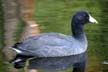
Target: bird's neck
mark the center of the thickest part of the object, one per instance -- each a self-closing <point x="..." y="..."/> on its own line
<point x="78" y="31"/>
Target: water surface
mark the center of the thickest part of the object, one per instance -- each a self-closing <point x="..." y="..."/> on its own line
<point x="55" y="16"/>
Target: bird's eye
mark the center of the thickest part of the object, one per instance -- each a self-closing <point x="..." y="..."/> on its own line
<point x="85" y="15"/>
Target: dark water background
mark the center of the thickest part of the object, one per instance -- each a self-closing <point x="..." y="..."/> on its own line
<point x="55" y="16"/>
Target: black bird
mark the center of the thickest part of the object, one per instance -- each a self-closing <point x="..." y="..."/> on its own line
<point x="56" y="51"/>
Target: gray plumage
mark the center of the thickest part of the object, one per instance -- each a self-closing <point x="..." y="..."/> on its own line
<point x="52" y="45"/>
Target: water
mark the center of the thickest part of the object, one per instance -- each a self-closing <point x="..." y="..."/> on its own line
<point x="55" y="16"/>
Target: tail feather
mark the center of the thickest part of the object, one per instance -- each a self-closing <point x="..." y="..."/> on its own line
<point x="16" y="45"/>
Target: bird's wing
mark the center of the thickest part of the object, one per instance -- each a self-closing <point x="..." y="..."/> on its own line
<point x="47" y="44"/>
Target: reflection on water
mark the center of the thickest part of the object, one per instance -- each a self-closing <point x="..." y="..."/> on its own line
<point x="54" y="16"/>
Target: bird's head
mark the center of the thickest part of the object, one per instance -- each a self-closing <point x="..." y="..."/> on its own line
<point x="83" y="17"/>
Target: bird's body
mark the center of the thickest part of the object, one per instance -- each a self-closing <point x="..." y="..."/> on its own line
<point x="52" y="45"/>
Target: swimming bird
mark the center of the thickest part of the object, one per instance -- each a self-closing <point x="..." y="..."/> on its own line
<point x="56" y="45"/>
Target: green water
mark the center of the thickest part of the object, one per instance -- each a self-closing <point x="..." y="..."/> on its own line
<point x="55" y="16"/>
<point x="1" y="36"/>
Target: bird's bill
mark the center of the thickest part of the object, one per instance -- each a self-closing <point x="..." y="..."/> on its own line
<point x="92" y="20"/>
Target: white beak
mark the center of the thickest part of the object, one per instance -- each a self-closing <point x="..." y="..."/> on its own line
<point x="92" y="20"/>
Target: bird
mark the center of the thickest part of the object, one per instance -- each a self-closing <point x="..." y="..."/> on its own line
<point x="57" y="51"/>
